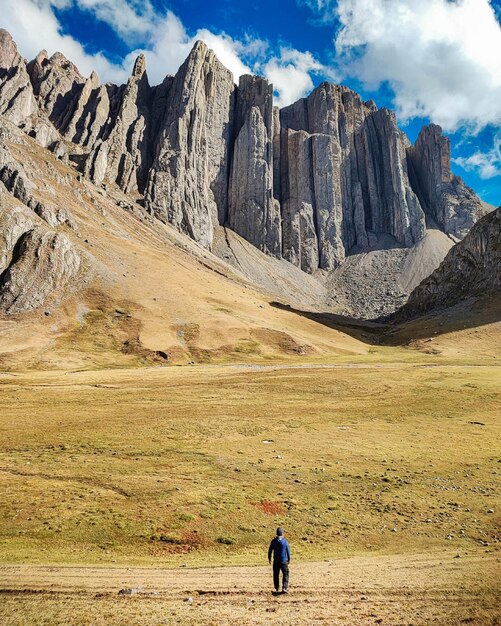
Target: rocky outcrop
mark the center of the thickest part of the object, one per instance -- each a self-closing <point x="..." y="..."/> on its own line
<point x="17" y="182"/>
<point x="471" y="268"/>
<point x="35" y="261"/>
<point x="17" y="101"/>
<point x="444" y="197"/>
<point x="122" y="157"/>
<point x="41" y="263"/>
<point x="15" y="222"/>
<point x="188" y="181"/>
<point x="314" y="182"/>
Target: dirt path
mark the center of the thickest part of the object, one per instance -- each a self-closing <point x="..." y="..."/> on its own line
<point x="394" y="590"/>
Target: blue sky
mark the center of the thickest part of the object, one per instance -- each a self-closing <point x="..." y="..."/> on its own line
<point x="429" y="60"/>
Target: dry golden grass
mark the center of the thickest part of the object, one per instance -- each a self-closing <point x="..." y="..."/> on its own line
<point x="158" y="465"/>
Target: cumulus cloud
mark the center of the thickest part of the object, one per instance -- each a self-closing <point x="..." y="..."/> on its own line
<point x="162" y="38"/>
<point x="486" y="164"/>
<point x="440" y="57"/>
<point x="290" y="74"/>
<point x="129" y="18"/>
<point x="34" y="26"/>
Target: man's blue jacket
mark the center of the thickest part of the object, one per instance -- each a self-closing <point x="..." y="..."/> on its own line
<point x="279" y="547"/>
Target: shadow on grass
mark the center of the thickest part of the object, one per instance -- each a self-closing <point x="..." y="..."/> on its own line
<point x="364" y="330"/>
<point x="472" y="313"/>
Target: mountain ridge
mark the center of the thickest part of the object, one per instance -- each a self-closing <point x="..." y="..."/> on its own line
<point x="307" y="182"/>
<point x="328" y="186"/>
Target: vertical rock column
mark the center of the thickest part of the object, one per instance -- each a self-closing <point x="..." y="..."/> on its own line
<point x="326" y="167"/>
<point x="322" y="174"/>
<point x="253" y="212"/>
<point x="187" y="183"/>
<point x="337" y="114"/>
<point x="299" y="237"/>
<point x="393" y="206"/>
<point x="444" y="197"/>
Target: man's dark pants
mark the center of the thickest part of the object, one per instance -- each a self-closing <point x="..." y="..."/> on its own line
<point x="284" y="568"/>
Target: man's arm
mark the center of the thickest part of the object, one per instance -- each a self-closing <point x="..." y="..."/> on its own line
<point x="270" y="551"/>
<point x="288" y="553"/>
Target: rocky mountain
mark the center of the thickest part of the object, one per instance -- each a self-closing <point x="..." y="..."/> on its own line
<point x="471" y="269"/>
<point x="326" y="180"/>
<point x="444" y="197"/>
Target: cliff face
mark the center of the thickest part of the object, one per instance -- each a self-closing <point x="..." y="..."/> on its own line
<point x="344" y="178"/>
<point x="253" y="212"/>
<point x="471" y="268"/>
<point x="188" y="181"/>
<point x="309" y="183"/>
<point x="444" y="197"/>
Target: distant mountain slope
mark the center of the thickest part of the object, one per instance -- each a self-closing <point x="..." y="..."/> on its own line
<point x="349" y="216"/>
<point x="102" y="284"/>
<point x="472" y="268"/>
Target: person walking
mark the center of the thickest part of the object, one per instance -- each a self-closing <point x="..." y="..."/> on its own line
<point x="279" y="548"/>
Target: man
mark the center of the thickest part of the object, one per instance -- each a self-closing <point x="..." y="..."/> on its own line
<point x="279" y="547"/>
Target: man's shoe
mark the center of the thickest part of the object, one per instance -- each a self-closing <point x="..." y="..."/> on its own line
<point x="285" y="591"/>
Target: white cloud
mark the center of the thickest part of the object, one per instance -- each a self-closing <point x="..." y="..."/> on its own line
<point x="325" y="9"/>
<point x="290" y="74"/>
<point x="34" y="26"/>
<point x="486" y="164"/>
<point x="129" y="18"/>
<point x="441" y="58"/>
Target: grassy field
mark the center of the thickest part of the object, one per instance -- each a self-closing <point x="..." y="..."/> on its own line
<point x="198" y="464"/>
<point x="387" y="465"/>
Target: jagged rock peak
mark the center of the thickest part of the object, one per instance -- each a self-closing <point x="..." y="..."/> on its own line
<point x="444" y="197"/>
<point x="188" y="181"/>
<point x="9" y="54"/>
<point x="139" y="66"/>
<point x="17" y="102"/>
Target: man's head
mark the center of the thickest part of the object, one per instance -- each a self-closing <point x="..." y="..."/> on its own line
<point x="280" y="532"/>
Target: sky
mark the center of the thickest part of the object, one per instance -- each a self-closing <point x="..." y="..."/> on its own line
<point x="429" y="60"/>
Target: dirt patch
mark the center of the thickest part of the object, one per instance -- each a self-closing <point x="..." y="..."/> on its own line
<point x="205" y="355"/>
<point x="187" y="333"/>
<point x="359" y="591"/>
<point x="270" y="507"/>
<point x="281" y="340"/>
